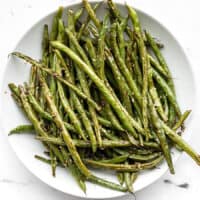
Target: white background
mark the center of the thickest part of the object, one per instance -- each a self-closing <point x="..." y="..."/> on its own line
<point x="181" y="17"/>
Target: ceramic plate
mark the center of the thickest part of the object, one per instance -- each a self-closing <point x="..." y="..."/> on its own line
<point x="25" y="146"/>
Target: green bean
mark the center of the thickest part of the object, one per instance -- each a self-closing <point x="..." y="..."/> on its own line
<point x="145" y="65"/>
<point x="53" y="163"/>
<point x="115" y="14"/>
<point x="171" y="115"/>
<point x="132" y="139"/>
<point x="126" y="119"/>
<point x="143" y="151"/>
<point x="96" y="126"/>
<point x="61" y="31"/>
<point x="45" y="114"/>
<point x="107" y="184"/>
<point x="64" y="131"/>
<point x="89" y="47"/>
<point x="63" y="64"/>
<point x="73" y="118"/>
<point x="120" y="177"/>
<point x="54" y="29"/>
<point x="133" y="177"/>
<point x="88" y="125"/>
<point x="127" y="180"/>
<point x="165" y="106"/>
<point x="105" y="143"/>
<point x="37" y="107"/>
<point x="101" y="48"/>
<point x="68" y="75"/>
<point x="47" y="161"/>
<point x="14" y="89"/>
<point x="124" y="23"/>
<point x="114" y="121"/>
<point x="85" y="88"/>
<point x="136" y="151"/>
<point x="53" y="58"/>
<point x="128" y="60"/>
<point x="74" y="170"/>
<point x="22" y="129"/>
<point x="91" y="13"/>
<point x="105" y="122"/>
<point x="161" y="60"/>
<point x="121" y="43"/>
<point x="118" y="159"/>
<point x="154" y="96"/>
<point x="84" y="25"/>
<point x="122" y="65"/>
<point x="113" y="9"/>
<point x="15" y="93"/>
<point x="35" y="122"/>
<point x="17" y="99"/>
<point x="123" y="88"/>
<point x="75" y="43"/>
<point x="36" y="83"/>
<point x="181" y="143"/>
<point x="180" y="122"/>
<point x="93" y="30"/>
<point x="167" y="90"/>
<point x="157" y="66"/>
<point x="45" y="60"/>
<point x="108" y="134"/>
<point x="149" y="157"/>
<point x="125" y="168"/>
<point x="141" y="140"/>
<point x="78" y="14"/>
<point x="137" y="70"/>
<point x="117" y="74"/>
<point x="161" y="136"/>
<point x="32" y="79"/>
<point x="157" y="41"/>
<point x="52" y="82"/>
<point x="76" y="173"/>
<point x="45" y="45"/>
<point x="99" y="98"/>
<point x="69" y="84"/>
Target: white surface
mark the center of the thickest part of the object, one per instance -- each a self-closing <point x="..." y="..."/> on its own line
<point x="26" y="147"/>
<point x="17" y="16"/>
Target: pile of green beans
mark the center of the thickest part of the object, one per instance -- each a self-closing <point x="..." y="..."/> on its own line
<point x="102" y="96"/>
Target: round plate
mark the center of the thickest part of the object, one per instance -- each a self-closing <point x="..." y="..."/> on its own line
<point x="25" y="146"/>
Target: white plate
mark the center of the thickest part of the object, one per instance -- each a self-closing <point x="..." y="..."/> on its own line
<point x="26" y="147"/>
